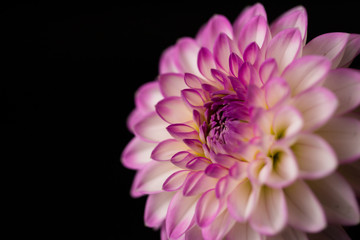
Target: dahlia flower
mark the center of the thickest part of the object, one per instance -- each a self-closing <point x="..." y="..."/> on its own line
<point x="250" y="133"/>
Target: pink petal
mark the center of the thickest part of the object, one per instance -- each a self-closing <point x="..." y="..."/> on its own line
<point x="270" y="214"/>
<point x="198" y="163"/>
<point x="222" y="49"/>
<point x="166" y="149"/>
<point x="337" y="199"/>
<point x="219" y="227"/>
<point x="137" y="153"/>
<point x="287" y="122"/>
<point x="243" y="231"/>
<point x="345" y="84"/>
<point x="256" y="30"/>
<point x="330" y="45"/>
<point x="343" y="134"/>
<point x="207" y="208"/>
<point x="316" y="105"/>
<point x="332" y="232"/>
<point x="151" y="178"/>
<point x="197" y="183"/>
<point x="171" y="84"/>
<point x="169" y="61"/>
<point x="305" y="72"/>
<point x="152" y="128"/>
<point x="304" y="210"/>
<point x="252" y="54"/>
<point x="173" y="110"/>
<point x="285" y="47"/>
<point x="238" y="201"/>
<point x="182" y="131"/>
<point x="314" y="156"/>
<point x="181" y="159"/>
<point x="147" y="96"/>
<point x="193" y="233"/>
<point x="206" y="62"/>
<point x="352" y="49"/>
<point x="225" y="186"/>
<point x="289" y="233"/>
<point x="193" y="98"/>
<point x="268" y="69"/>
<point x="192" y="81"/>
<point x="276" y="91"/>
<point x="134" y="118"/>
<point x="180" y="215"/>
<point x="175" y="181"/>
<point x="216" y="171"/>
<point x="156" y="208"/>
<point x="235" y="63"/>
<point x="188" y="50"/>
<point x="246" y="15"/>
<point x="294" y="18"/>
<point x="195" y="145"/>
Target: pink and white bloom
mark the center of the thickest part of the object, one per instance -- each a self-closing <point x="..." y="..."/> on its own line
<point x="250" y="133"/>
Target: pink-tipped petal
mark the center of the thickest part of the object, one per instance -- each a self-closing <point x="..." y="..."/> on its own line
<point x="294" y="18"/>
<point x="147" y="96"/>
<point x="137" y="153"/>
<point x="252" y="54"/>
<point x="343" y="134"/>
<point x="270" y="214"/>
<point x="243" y="231"/>
<point x="222" y="49"/>
<point x="276" y="91"/>
<point x="345" y="84"/>
<point x="235" y="63"/>
<point x="337" y="199"/>
<point x="238" y="201"/>
<point x="198" y="163"/>
<point x="173" y="110"/>
<point x="316" y="105"/>
<point x="188" y="50"/>
<point x="306" y="72"/>
<point x="306" y="215"/>
<point x="182" y="131"/>
<point x="192" y="81"/>
<point x="256" y="30"/>
<point x="216" y="171"/>
<point x="193" y="98"/>
<point x="166" y="149"/>
<point x="175" y="181"/>
<point x="330" y="45"/>
<point x="207" y="208"/>
<point x="219" y="227"/>
<point x="180" y="215"/>
<point x="181" y="159"/>
<point x="206" y="62"/>
<point x="268" y="70"/>
<point x="352" y="49"/>
<point x="285" y="47"/>
<point x="332" y="232"/>
<point x="197" y="183"/>
<point x="169" y="61"/>
<point x="156" y="208"/>
<point x="287" y="122"/>
<point x="171" y="84"/>
<point x="152" y="128"/>
<point x="314" y="156"/>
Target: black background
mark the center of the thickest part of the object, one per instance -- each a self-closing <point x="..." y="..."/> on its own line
<point x="75" y="67"/>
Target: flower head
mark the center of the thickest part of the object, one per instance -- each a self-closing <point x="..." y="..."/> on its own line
<point x="249" y="132"/>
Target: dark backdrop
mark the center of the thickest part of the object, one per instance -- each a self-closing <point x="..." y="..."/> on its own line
<point x="96" y="56"/>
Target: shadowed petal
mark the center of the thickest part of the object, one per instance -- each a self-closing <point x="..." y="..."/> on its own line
<point x="137" y="153"/>
<point x="171" y="84"/>
<point x="219" y="227"/>
<point x="238" y="201"/>
<point x="147" y="96"/>
<point x="207" y="208"/>
<point x="173" y="110"/>
<point x="352" y="49"/>
<point x="156" y="208"/>
<point x="332" y="232"/>
<point x="289" y="234"/>
<point x="152" y="128"/>
<point x="243" y="231"/>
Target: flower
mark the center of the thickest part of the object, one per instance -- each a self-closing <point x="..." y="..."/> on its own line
<point x="249" y="132"/>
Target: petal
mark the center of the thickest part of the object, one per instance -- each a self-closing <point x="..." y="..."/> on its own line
<point x="175" y="181"/>
<point x="276" y="91"/>
<point x="314" y="156"/>
<point x="182" y="131"/>
<point x="243" y="231"/>
<point x="206" y="62"/>
<point x="305" y="72"/>
<point x="289" y="233"/>
<point x="238" y="201"/>
<point x="351" y="172"/>
<point x="235" y="63"/>
<point x="219" y="227"/>
<point x="268" y="70"/>
<point x="316" y="105"/>
<point x="332" y="232"/>
<point x="345" y="84"/>
<point x="256" y="30"/>
<point x="152" y="128"/>
<point x="147" y="96"/>
<point x="151" y="178"/>
<point x="216" y="171"/>
<point x="180" y="215"/>
<point x="156" y="208"/>
<point x="169" y="61"/>
<point x="343" y="134"/>
<point x="181" y="159"/>
<point x="197" y="183"/>
<point x="304" y="210"/>
<point x="294" y="18"/>
<point x="173" y="110"/>
<point x="188" y="50"/>
<point x="198" y="163"/>
<point x="207" y="208"/>
<point x="166" y="149"/>
<point x="337" y="199"/>
<point x="330" y="45"/>
<point x="171" y="84"/>
<point x="285" y="47"/>
<point x="270" y="214"/>
<point x="287" y="122"/>
<point x="193" y="98"/>
<point x="352" y="49"/>
<point x="137" y="153"/>
<point x="192" y="81"/>
<point x="222" y="49"/>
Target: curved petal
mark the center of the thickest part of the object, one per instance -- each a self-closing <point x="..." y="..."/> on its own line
<point x="166" y="149"/>
<point x="352" y="49"/>
<point x="243" y="231"/>
<point x="171" y="84"/>
<point x="314" y="156"/>
<point x="219" y="227"/>
<point x="285" y="47"/>
<point x="173" y="110"/>
<point x="222" y="49"/>
<point x="276" y="91"/>
<point x="316" y="105"/>
<point x="330" y="45"/>
<point x="198" y="183"/>
<point x="188" y="50"/>
<point x="268" y="69"/>
<point x="337" y="199"/>
<point x="156" y="208"/>
<point x="182" y="131"/>
<point x="193" y="98"/>
<point x="343" y="134"/>
<point x="152" y="128"/>
<point x="345" y="84"/>
<point x="207" y="208"/>
<point x="304" y="210"/>
<point x="169" y="61"/>
<point x="287" y="122"/>
<point x="238" y="201"/>
<point x="289" y="234"/>
<point x="305" y="72"/>
<point x="270" y="214"/>
<point x="206" y="62"/>
<point x="137" y="153"/>
<point x="147" y="96"/>
<point x="175" y="181"/>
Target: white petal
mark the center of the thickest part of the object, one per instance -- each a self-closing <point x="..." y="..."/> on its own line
<point x="137" y="153"/>
<point x="152" y="128"/>
<point x="238" y="200"/>
<point x="156" y="208"/>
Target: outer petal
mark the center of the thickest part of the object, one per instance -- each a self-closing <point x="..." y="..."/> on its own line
<point x="345" y="84"/>
<point x="352" y="49"/>
<point x="207" y="208"/>
<point x="337" y="199"/>
<point x="332" y="232"/>
<point x="238" y="201"/>
<point x="169" y="61"/>
<point x="285" y="47"/>
<point x="343" y="134"/>
<point x="330" y="45"/>
<point x="152" y="128"/>
<point x="305" y="212"/>
<point x="180" y="215"/>
<point x="147" y="96"/>
<point x="243" y="231"/>
<point x="171" y="84"/>
<point x="173" y="110"/>
<point x="316" y="105"/>
<point x="188" y="50"/>
<point x="222" y="49"/>
<point x="137" y="153"/>
<point x="270" y="214"/>
<point x="305" y="72"/>
<point x="156" y="208"/>
<point x="314" y="156"/>
<point x="206" y="62"/>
